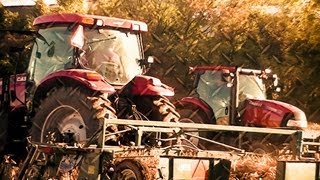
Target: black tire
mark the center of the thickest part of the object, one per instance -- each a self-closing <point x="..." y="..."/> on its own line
<point x="193" y="116"/>
<point x="157" y="108"/>
<point x="129" y="170"/>
<point x="164" y="110"/>
<point x="69" y="110"/>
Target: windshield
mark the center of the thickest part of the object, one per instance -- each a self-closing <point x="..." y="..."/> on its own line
<point x="214" y="92"/>
<point x="50" y="53"/>
<point x="112" y="53"/>
<point x="251" y="87"/>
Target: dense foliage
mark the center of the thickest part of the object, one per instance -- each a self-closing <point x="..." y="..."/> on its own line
<point x="280" y="34"/>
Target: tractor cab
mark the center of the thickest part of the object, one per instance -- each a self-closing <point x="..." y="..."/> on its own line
<point x="225" y="89"/>
<point x="212" y="89"/>
<point x="88" y="58"/>
<point x="238" y="96"/>
<point x="110" y="46"/>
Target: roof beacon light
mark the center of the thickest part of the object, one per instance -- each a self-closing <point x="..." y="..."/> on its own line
<point x="99" y="22"/>
<point x="135" y="27"/>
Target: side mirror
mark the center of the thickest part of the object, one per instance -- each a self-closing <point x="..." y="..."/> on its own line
<point x="275" y="80"/>
<point x="276" y="83"/>
<point x="150" y="60"/>
<point x="51" y="49"/>
<point x="38" y="55"/>
<point x="146" y="63"/>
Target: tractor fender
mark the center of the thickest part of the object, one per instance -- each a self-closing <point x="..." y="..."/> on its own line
<point x="90" y="79"/>
<point x="147" y="86"/>
<point x="274" y="114"/>
<point x="197" y="104"/>
<point x="73" y="77"/>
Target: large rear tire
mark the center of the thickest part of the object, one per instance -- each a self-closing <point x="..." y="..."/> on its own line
<point x="193" y="116"/>
<point x="69" y="115"/>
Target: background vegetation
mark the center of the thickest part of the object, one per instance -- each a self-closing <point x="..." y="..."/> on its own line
<point x="279" y="34"/>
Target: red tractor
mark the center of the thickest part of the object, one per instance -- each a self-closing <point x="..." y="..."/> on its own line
<point x="82" y="68"/>
<point x="236" y="96"/>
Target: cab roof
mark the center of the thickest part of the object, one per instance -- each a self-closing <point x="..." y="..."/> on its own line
<point x="216" y="68"/>
<point x="91" y="20"/>
<point x="229" y="68"/>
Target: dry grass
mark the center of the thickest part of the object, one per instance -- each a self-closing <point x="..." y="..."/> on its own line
<point x="313" y="126"/>
<point x="253" y="167"/>
<point x="259" y="167"/>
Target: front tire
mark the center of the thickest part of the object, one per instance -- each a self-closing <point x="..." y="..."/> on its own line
<point x="131" y="170"/>
<point x="153" y="108"/>
<point x="157" y="108"/>
<point x="69" y="115"/>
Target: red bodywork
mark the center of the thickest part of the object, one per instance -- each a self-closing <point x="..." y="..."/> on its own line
<point x="149" y="86"/>
<point x="91" y="20"/>
<point x="139" y="85"/>
<point x="218" y="68"/>
<point x="88" y="78"/>
<point x="91" y="79"/>
<point x="17" y="86"/>
<point x="253" y="112"/>
<point x="197" y="104"/>
<point x="269" y="113"/>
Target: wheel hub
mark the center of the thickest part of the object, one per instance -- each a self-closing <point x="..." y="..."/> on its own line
<point x="66" y="122"/>
<point x="72" y="128"/>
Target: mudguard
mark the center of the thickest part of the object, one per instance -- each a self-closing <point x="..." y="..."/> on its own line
<point x="147" y="86"/>
<point x="270" y="113"/>
<point x="195" y="104"/>
<point x="78" y="77"/>
<point x="90" y="79"/>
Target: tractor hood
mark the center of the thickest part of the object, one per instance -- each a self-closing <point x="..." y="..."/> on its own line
<point x="271" y="113"/>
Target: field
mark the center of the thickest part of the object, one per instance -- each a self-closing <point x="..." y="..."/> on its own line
<point x="258" y="167"/>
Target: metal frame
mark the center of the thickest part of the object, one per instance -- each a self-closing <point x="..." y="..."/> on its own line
<point x="304" y="142"/>
<point x="300" y="138"/>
